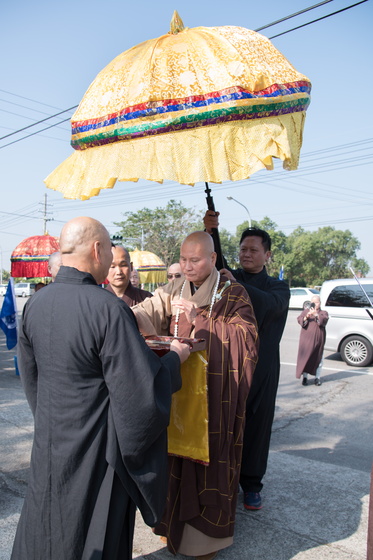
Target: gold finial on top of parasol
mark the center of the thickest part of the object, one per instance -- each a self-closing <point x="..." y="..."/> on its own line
<point x="176" y="24"/>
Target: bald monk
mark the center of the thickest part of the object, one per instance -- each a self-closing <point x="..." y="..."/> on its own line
<point x="200" y="513"/>
<point x="119" y="278"/>
<point x="54" y="263"/>
<point x="101" y="410"/>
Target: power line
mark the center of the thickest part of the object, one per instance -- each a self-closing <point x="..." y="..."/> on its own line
<point x="28" y="99"/>
<point x="22" y="106"/>
<point x="292" y="15"/>
<point x="340" y="221"/>
<point x="39" y="122"/>
<point x="260" y="28"/>
<point x="25" y="117"/>
<point x="318" y="19"/>
<point x="33" y="133"/>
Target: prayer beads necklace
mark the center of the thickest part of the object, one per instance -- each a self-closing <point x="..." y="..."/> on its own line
<point x="177" y="316"/>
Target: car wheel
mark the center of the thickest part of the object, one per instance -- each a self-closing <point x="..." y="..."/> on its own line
<point x="23" y="294"/>
<point x="306" y="304"/>
<point x="357" y="351"/>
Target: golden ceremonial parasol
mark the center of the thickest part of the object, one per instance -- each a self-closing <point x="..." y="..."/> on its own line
<point x="30" y="258"/>
<point x="207" y="104"/>
<point x="151" y="269"/>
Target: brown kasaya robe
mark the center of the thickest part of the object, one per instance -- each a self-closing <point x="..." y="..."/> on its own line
<point x="132" y="295"/>
<point x="205" y="497"/>
<point x="311" y="342"/>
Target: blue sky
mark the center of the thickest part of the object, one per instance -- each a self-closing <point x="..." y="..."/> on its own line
<point x="52" y="51"/>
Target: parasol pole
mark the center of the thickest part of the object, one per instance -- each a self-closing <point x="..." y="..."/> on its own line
<point x="364" y="292"/>
<point x="215" y="231"/>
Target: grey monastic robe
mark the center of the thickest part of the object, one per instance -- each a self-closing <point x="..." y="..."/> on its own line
<point x="101" y="402"/>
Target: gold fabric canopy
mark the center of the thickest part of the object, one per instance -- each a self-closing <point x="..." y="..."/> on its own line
<point x="207" y="104"/>
<point x="150" y="267"/>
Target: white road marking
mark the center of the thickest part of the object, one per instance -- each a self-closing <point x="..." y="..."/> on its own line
<point x="357" y="370"/>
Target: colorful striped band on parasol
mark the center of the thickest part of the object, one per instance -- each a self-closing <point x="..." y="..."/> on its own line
<point x="150" y="267"/>
<point x="207" y="104"/>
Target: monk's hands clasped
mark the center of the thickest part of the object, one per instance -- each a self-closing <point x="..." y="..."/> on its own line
<point x="187" y="307"/>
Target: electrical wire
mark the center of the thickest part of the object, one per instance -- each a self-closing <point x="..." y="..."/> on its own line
<point x="29" y="99"/>
<point x="33" y="133"/>
<point x="318" y="19"/>
<point x="22" y="107"/>
<point x="292" y="15"/>
<point x="260" y="28"/>
<point x="39" y="122"/>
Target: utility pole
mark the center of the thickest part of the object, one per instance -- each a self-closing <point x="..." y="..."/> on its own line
<point x="45" y="215"/>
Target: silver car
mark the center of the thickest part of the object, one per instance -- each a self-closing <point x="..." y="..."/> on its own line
<point x="301" y="296"/>
<point x="350" y="327"/>
<point x="24" y="289"/>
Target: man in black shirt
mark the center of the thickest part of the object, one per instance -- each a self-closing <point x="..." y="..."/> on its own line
<point x="270" y="299"/>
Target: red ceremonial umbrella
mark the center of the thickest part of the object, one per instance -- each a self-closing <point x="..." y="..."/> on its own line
<point x="30" y="258"/>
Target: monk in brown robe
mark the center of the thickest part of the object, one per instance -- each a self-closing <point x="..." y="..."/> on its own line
<point x="119" y="278"/>
<point x="312" y="341"/>
<point x="200" y="512"/>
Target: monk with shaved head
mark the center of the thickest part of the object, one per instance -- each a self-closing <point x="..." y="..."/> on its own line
<point x="101" y="402"/>
<point x="199" y="517"/>
<point x="119" y="277"/>
<point x="54" y="263"/>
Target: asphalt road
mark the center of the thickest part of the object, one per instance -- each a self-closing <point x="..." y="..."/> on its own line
<point x="317" y="483"/>
<point x="341" y="409"/>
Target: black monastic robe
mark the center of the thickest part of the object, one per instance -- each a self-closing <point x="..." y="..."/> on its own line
<point x="270" y="299"/>
<point x="101" y="403"/>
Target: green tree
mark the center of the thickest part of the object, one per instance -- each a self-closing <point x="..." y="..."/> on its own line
<point x="229" y="247"/>
<point x="360" y="267"/>
<point x="161" y="230"/>
<point x="313" y="257"/>
<point x="309" y="257"/>
<point x="6" y="276"/>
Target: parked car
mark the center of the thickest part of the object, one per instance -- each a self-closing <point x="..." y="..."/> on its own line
<point x="3" y="288"/>
<point x="350" y="327"/>
<point x="24" y="289"/>
<point x="300" y="296"/>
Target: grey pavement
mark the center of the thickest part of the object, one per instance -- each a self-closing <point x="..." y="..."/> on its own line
<point x="316" y="490"/>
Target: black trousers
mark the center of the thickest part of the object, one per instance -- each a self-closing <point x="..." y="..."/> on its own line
<point x="257" y="436"/>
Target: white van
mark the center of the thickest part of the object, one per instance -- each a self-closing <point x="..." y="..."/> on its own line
<point x="350" y="326"/>
<point x="24" y="289"/>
